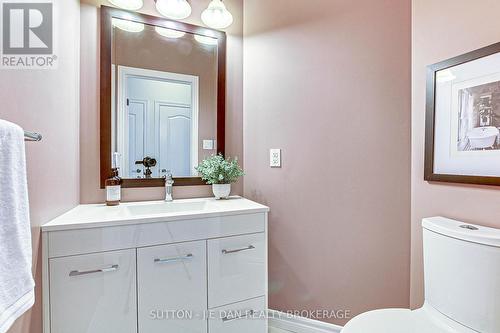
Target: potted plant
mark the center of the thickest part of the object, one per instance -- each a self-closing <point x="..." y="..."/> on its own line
<point x="220" y="173"/>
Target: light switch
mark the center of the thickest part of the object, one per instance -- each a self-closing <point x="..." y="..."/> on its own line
<point x="275" y="158"/>
<point x="208" y="144"/>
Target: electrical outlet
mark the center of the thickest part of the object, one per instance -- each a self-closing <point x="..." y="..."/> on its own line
<point x="275" y="158"/>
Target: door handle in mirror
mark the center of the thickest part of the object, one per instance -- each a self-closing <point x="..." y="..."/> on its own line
<point x="148" y="163"/>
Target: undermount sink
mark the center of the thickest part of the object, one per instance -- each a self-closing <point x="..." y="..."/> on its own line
<point x="165" y="208"/>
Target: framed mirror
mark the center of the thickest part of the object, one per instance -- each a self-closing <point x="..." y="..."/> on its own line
<point x="162" y="106"/>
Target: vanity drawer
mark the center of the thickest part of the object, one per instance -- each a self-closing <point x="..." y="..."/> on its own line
<point x="81" y="241"/>
<point x="236" y="269"/>
<point x="93" y="293"/>
<point x="171" y="278"/>
<point x="244" y="317"/>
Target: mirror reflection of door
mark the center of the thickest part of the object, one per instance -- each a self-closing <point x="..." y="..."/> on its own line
<point x="157" y="118"/>
<point x="136" y="144"/>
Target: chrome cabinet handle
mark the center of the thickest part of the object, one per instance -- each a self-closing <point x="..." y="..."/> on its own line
<point x="101" y="270"/>
<point x="167" y="260"/>
<point x="251" y="247"/>
<point x="246" y="315"/>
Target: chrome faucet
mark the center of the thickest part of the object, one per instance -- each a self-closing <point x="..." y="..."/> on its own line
<point x="169" y="182"/>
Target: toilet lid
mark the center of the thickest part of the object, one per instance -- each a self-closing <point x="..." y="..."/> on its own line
<point x="396" y="321"/>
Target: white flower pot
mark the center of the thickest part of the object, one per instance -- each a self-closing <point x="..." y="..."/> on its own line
<point x="221" y="191"/>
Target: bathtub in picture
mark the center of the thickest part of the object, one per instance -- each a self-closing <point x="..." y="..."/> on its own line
<point x="483" y="137"/>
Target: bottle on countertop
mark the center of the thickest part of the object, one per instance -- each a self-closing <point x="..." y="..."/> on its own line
<point x="114" y="184"/>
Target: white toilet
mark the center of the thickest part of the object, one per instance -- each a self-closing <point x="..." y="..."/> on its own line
<point x="462" y="284"/>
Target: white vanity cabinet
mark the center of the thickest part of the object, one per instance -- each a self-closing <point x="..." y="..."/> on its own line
<point x="191" y="266"/>
<point x="94" y="293"/>
<point x="236" y="266"/>
<point x="241" y="317"/>
<point x="172" y="278"/>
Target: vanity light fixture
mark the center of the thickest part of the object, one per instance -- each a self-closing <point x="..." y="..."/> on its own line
<point x="216" y="15"/>
<point x="169" y="33"/>
<point x="206" y="40"/>
<point x="128" y="4"/>
<point x="127" y="25"/>
<point x="174" y="9"/>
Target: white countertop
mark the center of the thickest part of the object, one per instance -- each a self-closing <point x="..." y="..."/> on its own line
<point x="100" y="215"/>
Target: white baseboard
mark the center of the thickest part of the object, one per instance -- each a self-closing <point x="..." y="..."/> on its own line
<point x="296" y="324"/>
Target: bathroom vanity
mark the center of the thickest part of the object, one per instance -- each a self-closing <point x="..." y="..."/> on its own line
<point x="193" y="266"/>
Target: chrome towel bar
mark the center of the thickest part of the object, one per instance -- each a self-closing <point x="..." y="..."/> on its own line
<point x="32" y="136"/>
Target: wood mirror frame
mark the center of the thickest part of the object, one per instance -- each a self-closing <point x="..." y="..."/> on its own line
<point x="107" y="14"/>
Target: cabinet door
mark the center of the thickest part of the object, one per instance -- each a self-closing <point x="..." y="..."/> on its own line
<point x="236" y="269"/>
<point x="244" y="317"/>
<point x="94" y="293"/>
<point x="172" y="282"/>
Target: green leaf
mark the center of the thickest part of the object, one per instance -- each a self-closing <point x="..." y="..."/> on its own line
<point x="218" y="170"/>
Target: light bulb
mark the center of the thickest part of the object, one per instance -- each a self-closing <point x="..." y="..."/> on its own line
<point x="206" y="40"/>
<point x="174" y="9"/>
<point x="169" y="33"/>
<point x="127" y="25"/>
<point x="128" y="4"/>
<point x="216" y="15"/>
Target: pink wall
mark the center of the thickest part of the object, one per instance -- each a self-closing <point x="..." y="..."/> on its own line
<point x="46" y="101"/>
<point x="441" y="30"/>
<point x="328" y="82"/>
<point x="89" y="102"/>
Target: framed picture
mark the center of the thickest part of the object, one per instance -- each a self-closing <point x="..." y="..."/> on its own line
<point x="462" y="143"/>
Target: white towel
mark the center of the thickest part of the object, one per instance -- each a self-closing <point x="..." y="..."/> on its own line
<point x="16" y="280"/>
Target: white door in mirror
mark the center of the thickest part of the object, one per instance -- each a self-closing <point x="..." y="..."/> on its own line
<point x="275" y="158"/>
<point x="157" y="118"/>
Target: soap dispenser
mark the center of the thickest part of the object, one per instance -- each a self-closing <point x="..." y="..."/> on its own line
<point x="114" y="183"/>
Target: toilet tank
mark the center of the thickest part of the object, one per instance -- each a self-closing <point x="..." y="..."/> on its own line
<point x="462" y="272"/>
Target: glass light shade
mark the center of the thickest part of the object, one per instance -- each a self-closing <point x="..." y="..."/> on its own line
<point x="169" y="33"/>
<point x="127" y="25"/>
<point x="128" y="4"/>
<point x="216" y="15"/>
<point x="174" y="9"/>
<point x="206" y="40"/>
